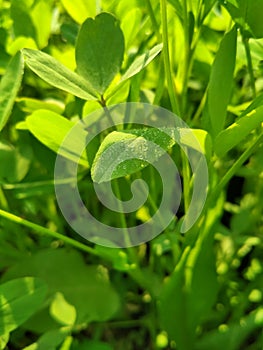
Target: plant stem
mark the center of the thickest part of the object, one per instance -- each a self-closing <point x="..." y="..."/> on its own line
<point x="249" y="65"/>
<point x="45" y="231"/>
<point x="153" y="19"/>
<point x="238" y="163"/>
<point x="167" y="63"/>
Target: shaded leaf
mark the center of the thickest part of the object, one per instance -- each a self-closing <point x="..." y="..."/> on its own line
<point x="19" y="299"/>
<point x="86" y="287"/>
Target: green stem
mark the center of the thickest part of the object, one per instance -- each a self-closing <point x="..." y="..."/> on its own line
<point x="45" y="231"/>
<point x="238" y="163"/>
<point x="249" y="65"/>
<point x="153" y="19"/>
<point x="3" y="200"/>
<point x="167" y="63"/>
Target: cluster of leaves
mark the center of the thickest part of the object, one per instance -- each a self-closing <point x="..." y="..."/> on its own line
<point x="62" y="60"/>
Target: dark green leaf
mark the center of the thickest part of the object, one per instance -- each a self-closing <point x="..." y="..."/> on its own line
<point x="99" y="50"/>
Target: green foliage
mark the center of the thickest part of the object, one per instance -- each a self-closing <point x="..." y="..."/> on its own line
<point x="9" y="87"/>
<point x="99" y="51"/>
<point x="64" y="65"/>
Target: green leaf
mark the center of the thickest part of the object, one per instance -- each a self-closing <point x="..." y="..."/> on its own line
<point x="19" y="299"/>
<point x="100" y="50"/>
<point x="3" y="341"/>
<point x="172" y="307"/>
<point x="86" y="287"/>
<point x="221" y="81"/>
<point x="237" y="131"/>
<point x="79" y="10"/>
<point x="57" y="75"/>
<point x="62" y="311"/>
<point x="51" y="129"/>
<point x="141" y="62"/>
<point x="9" y="87"/>
<point x="49" y="340"/>
<point x="247" y="14"/>
<point x="22" y="21"/>
<point x="189" y="294"/>
<point x="118" y="146"/>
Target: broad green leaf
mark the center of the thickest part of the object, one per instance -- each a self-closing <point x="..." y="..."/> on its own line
<point x="19" y="299"/>
<point x="51" y="129"/>
<point x="112" y="161"/>
<point x="237" y="131"/>
<point x="221" y="81"/>
<point x="79" y="10"/>
<point x="62" y="311"/>
<point x="9" y="86"/>
<point x="57" y="75"/>
<point x="141" y="62"/>
<point x="86" y="287"/>
<point x="100" y="50"/>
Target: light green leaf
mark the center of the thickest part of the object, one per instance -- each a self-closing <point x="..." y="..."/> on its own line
<point x="9" y="87"/>
<point x="221" y="81"/>
<point x="51" y="129"/>
<point x="62" y="311"/>
<point x="79" y="10"/>
<point x="141" y="62"/>
<point x="57" y="75"/>
<point x="19" y="299"/>
<point x="117" y="147"/>
<point x="113" y="157"/>
<point x="236" y="132"/>
<point x="99" y="50"/>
